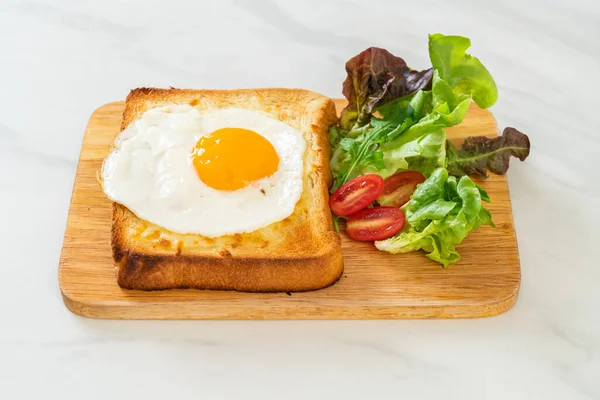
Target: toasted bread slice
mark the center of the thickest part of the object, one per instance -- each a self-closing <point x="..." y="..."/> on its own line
<point x="300" y="253"/>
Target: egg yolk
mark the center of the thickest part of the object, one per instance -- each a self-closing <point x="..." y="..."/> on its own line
<point x="233" y="158"/>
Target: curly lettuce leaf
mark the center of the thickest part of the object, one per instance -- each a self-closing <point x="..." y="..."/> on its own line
<point x="479" y="154"/>
<point x="375" y="76"/>
<point x="422" y="153"/>
<point x="463" y="72"/>
<point x="441" y="213"/>
<point x="354" y="154"/>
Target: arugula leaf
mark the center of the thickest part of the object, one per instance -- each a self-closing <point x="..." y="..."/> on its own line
<point x="375" y="76"/>
<point x="352" y="154"/>
<point x="440" y="214"/>
<point x="463" y="72"/>
<point x="350" y="146"/>
<point x="479" y="153"/>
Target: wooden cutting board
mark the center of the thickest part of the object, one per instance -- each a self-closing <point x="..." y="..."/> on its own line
<point x="374" y="284"/>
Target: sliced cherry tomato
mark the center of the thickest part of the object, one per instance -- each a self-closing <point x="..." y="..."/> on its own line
<point x="375" y="223"/>
<point x="399" y="187"/>
<point x="356" y="194"/>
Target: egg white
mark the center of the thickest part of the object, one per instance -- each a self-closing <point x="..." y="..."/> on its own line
<point x="149" y="170"/>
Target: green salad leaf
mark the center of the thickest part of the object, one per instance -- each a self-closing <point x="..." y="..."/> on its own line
<point x="479" y="154"/>
<point x="463" y="72"/>
<point x="422" y="147"/>
<point x="440" y="214"/>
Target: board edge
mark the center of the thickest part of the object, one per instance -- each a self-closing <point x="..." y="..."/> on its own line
<point x="88" y="309"/>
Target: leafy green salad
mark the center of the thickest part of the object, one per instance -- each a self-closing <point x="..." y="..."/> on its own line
<point x="397" y="180"/>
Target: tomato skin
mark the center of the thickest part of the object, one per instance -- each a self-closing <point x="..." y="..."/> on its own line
<point x="399" y="187"/>
<point x="356" y="194"/>
<point x="376" y="223"/>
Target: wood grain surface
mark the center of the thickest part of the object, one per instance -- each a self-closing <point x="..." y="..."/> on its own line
<point x="374" y="284"/>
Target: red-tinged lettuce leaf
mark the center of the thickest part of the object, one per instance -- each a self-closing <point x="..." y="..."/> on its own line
<point x="478" y="154"/>
<point x="376" y="77"/>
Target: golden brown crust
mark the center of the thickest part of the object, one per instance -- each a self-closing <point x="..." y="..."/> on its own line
<point x="299" y="253"/>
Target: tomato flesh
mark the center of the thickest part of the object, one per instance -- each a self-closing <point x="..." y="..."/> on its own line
<point x="377" y="223"/>
<point x="356" y="194"/>
<point x="398" y="188"/>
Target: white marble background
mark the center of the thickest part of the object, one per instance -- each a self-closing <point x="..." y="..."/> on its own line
<point x="59" y="60"/>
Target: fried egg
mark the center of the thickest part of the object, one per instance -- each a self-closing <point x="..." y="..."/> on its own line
<point x="222" y="172"/>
